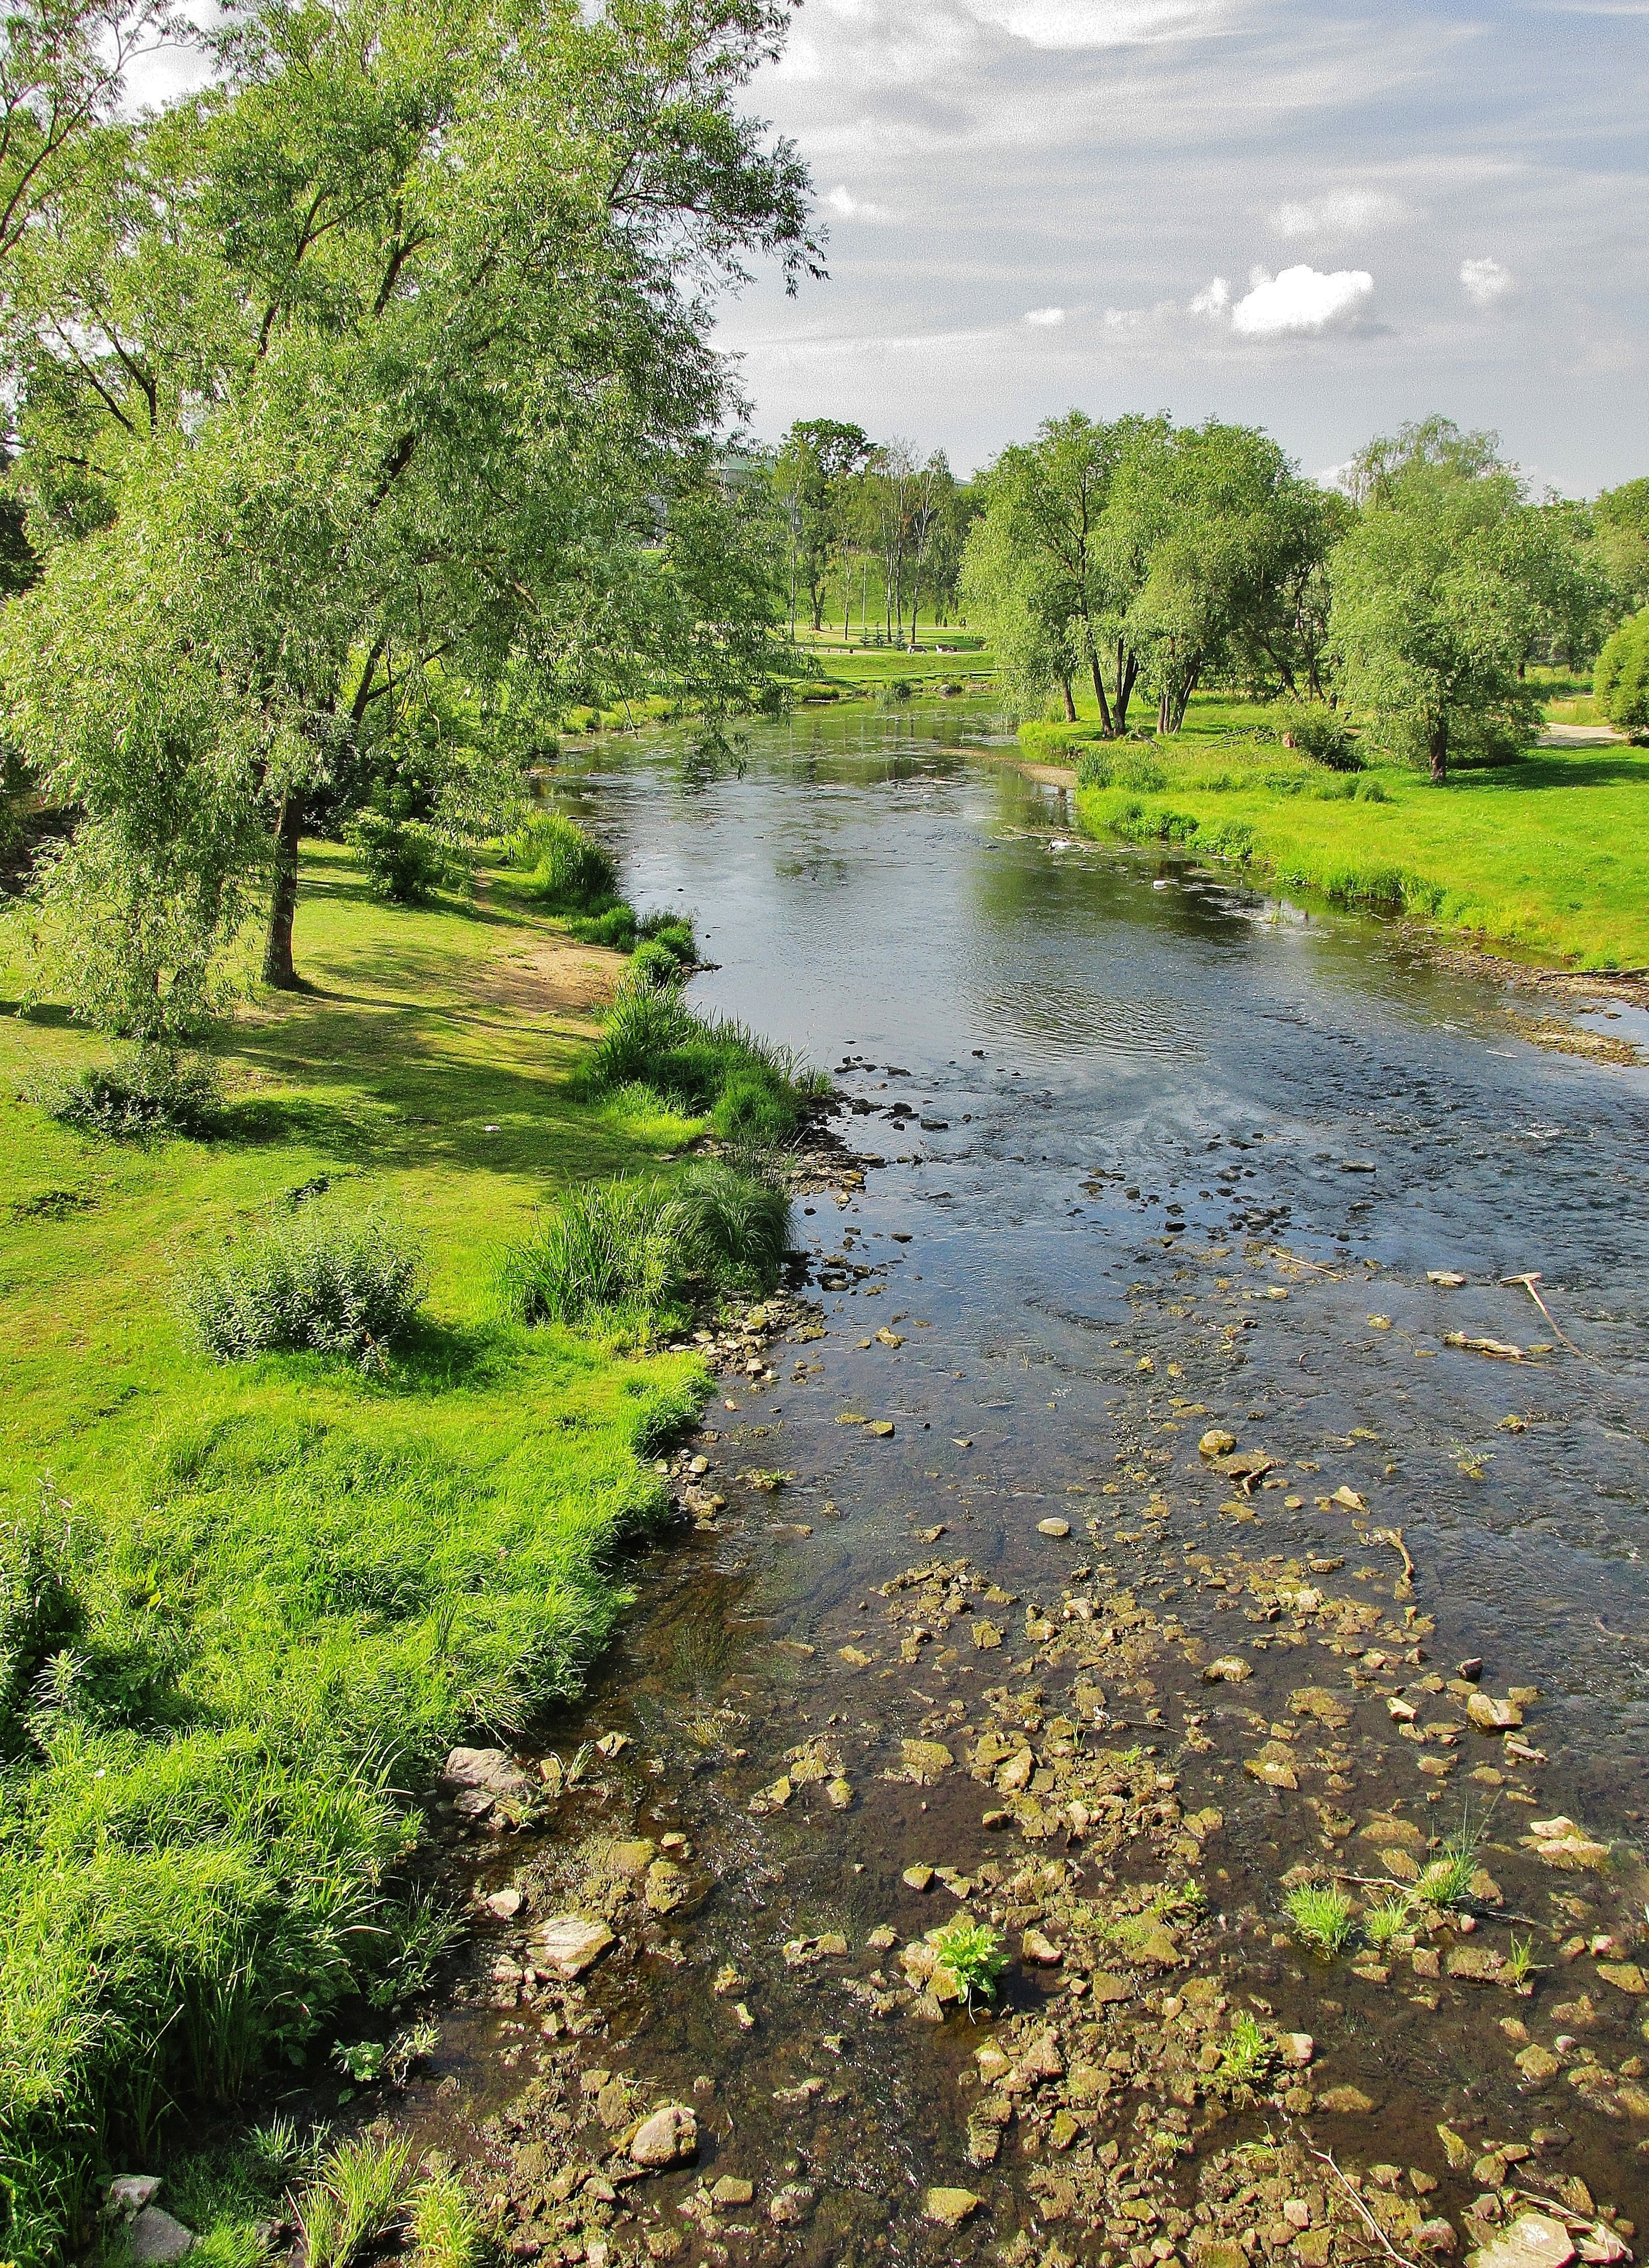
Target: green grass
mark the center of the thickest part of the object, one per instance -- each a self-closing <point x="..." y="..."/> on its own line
<point x="1549" y="857"/>
<point x="244" y="1606"/>
<point x="1321" y="1916"/>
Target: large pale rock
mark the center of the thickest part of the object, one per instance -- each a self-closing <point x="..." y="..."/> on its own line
<point x="1535" y="2240"/>
<point x="129" y="2194"/>
<point x="157" y="2237"/>
<point x="491" y="1768"/>
<point x="950" y="2207"/>
<point x="925" y="1760"/>
<point x="668" y="1886"/>
<point x="568" y="1943"/>
<point x="668" y="2137"/>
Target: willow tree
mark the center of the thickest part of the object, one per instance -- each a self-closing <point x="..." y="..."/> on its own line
<point x="388" y="351"/>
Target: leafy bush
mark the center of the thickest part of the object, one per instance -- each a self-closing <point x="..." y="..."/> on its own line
<point x="674" y="931"/>
<point x="405" y="861"/>
<point x="615" y="925"/>
<point x="647" y="1249"/>
<point x="1322" y="1915"/>
<point x="308" y="1283"/>
<point x="1320" y="732"/>
<point x="1118" y="765"/>
<point x="976" y="1957"/>
<point x="1621" y="681"/>
<point x="567" y="870"/>
<point x="154" y="1091"/>
<point x="653" y="966"/>
<point x="752" y="1090"/>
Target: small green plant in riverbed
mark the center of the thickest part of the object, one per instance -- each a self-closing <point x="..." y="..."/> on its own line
<point x="1448" y="1879"/>
<point x="354" y="2199"/>
<point x="446" y="2228"/>
<point x="1520" y="1963"/>
<point x="976" y="1957"/>
<point x="1321" y="1915"/>
<point x="1387" y="1920"/>
<point x="1247" y="2054"/>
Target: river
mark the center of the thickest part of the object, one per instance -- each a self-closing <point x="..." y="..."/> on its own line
<point x="1161" y="1157"/>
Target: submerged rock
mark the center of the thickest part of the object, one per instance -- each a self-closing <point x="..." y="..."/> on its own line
<point x="950" y="2207"/>
<point x="568" y="1943"/>
<point x="669" y="2136"/>
<point x="157" y="2237"/>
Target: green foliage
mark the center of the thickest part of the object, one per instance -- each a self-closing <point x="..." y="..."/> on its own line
<point x="1119" y="765"/>
<point x="1321" y="1916"/>
<point x="446" y="2231"/>
<point x="644" y="1251"/>
<point x="1520" y="1961"/>
<point x="1388" y="1919"/>
<point x="308" y="1281"/>
<point x="753" y="1091"/>
<point x="1247" y="2054"/>
<point x="1620" y="683"/>
<point x="1320" y="732"/>
<point x="405" y="861"/>
<point x="1620" y="520"/>
<point x="356" y="2199"/>
<point x="566" y="870"/>
<point x="976" y="1956"/>
<point x="154" y="1091"/>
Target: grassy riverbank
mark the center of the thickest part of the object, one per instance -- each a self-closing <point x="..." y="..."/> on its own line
<point x="242" y="1606"/>
<point x="1549" y="857"/>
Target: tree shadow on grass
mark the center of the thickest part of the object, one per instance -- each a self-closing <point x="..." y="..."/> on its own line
<point x="1560" y="768"/>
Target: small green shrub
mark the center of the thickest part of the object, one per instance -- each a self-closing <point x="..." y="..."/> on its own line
<point x="1387" y="1920"/>
<point x="654" y="967"/>
<point x="446" y="2228"/>
<point x="1119" y="765"/>
<point x="404" y="861"/>
<point x="674" y="931"/>
<point x="307" y="1283"/>
<point x="646" y="1250"/>
<point x="154" y="1091"/>
<point x="1621" y="681"/>
<point x="567" y="870"/>
<point x="752" y="1090"/>
<point x="1321" y="1916"/>
<point x="975" y="1955"/>
<point x="354" y="2199"/>
<point x="1320" y="732"/>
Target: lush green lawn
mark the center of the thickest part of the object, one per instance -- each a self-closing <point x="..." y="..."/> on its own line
<point x="1549" y="857"/>
<point x="239" y="1607"/>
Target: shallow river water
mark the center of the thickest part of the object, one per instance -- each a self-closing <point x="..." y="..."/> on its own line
<point x="1156" y="1156"/>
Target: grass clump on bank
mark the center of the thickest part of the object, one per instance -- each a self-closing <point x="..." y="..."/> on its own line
<point x="247" y="1605"/>
<point x="308" y="1283"/>
<point x="635" y="1257"/>
<point x="752" y="1092"/>
<point x="1549" y="854"/>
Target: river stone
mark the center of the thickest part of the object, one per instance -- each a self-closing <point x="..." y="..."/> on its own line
<point x="1533" y="2241"/>
<point x="489" y="1768"/>
<point x="1537" y="2066"/>
<point x="1492" y="1716"/>
<point x="1040" y="1950"/>
<point x="790" y="2206"/>
<point x="1217" y="1443"/>
<point x="667" y="2138"/>
<point x="881" y="1428"/>
<point x="1388" y="1834"/>
<point x="568" y="1943"/>
<point x="950" y="2207"/>
<point x="1626" y="1975"/>
<point x="1053" y="1527"/>
<point x="129" y="2194"/>
<point x="157" y="2237"/>
<point x="1344" y="2102"/>
<point x="731" y="2189"/>
<point x="925" y="1760"/>
<point x="667" y="1887"/>
<point x="632" y="1858"/>
<point x="1229" y="1670"/>
<point x="1216" y="2252"/>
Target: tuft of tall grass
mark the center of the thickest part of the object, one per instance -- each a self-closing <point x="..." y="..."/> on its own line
<point x="446" y="2230"/>
<point x="567" y="870"/>
<point x="752" y="1090"/>
<point x="1321" y="1916"/>
<point x="354" y="2199"/>
<point x="645" y="1249"/>
<point x="311" y="1282"/>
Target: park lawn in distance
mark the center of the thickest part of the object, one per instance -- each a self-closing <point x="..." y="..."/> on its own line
<point x="1548" y="857"/>
<point x="243" y="1605"/>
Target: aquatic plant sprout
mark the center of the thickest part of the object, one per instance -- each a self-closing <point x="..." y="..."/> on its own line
<point x="976" y="1957"/>
<point x="1321" y="1915"/>
<point x="1387" y="1920"/>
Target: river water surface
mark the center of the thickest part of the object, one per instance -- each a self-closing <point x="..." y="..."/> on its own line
<point x="1158" y="1155"/>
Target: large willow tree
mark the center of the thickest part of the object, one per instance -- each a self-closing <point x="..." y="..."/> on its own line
<point x="388" y="351"/>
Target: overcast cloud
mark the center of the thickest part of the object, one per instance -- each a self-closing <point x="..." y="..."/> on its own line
<point x="1318" y="218"/>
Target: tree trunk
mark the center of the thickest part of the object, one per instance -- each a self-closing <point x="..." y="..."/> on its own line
<point x="1105" y="726"/>
<point x="1070" y="706"/>
<point x="1127" y="677"/>
<point x="278" y="949"/>
<point x="1439" y="753"/>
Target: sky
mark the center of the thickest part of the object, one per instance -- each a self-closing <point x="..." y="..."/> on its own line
<point x="1319" y="218"/>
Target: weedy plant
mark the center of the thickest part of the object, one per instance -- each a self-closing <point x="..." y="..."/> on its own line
<point x="1521" y="1962"/>
<point x="565" y="868"/>
<point x="1387" y="1920"/>
<point x="361" y="2061"/>
<point x="975" y="1955"/>
<point x="1448" y="1879"/>
<point x="446" y="2230"/>
<point x="311" y="1282"/>
<point x="752" y="1091"/>
<point x="1321" y="1916"/>
<point x="1247" y="2054"/>
<point x="152" y="1092"/>
<point x="354" y="2199"/>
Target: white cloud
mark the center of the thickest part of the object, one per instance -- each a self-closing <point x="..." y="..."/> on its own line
<point x="841" y="201"/>
<point x="1046" y="319"/>
<point x="1070" y="24"/>
<point x="1341" y="212"/>
<point x="1213" y="301"/>
<point x="1299" y="300"/>
<point x="1485" y="281"/>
